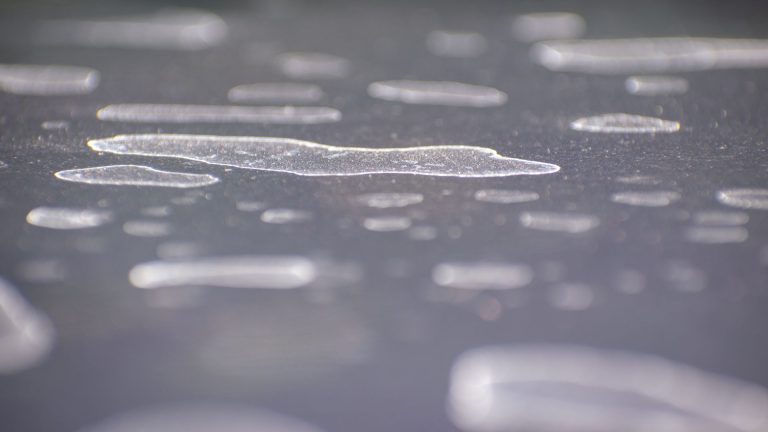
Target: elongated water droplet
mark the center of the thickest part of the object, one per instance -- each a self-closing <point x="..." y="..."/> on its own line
<point x="135" y="175"/>
<point x="548" y="25"/>
<point x="389" y="199"/>
<point x="646" y="198"/>
<point x="571" y="296"/>
<point x="562" y="388"/>
<point x="155" y="113"/>
<point x="456" y="44"/>
<point x="437" y="93"/>
<point x="26" y="335"/>
<point x="313" y="159"/>
<point x="716" y="235"/>
<point x="313" y="66"/>
<point x="147" y="228"/>
<point x="723" y="218"/>
<point x="624" y="123"/>
<point x="651" y="55"/>
<point x="387" y="223"/>
<point x="276" y="92"/>
<point x="285" y="216"/>
<point x="505" y="196"/>
<point x="47" y="80"/>
<point x="481" y="275"/>
<point x="653" y="85"/>
<point x="67" y="218"/>
<point x="572" y="223"/>
<point x="756" y="199"/>
<point x="171" y="29"/>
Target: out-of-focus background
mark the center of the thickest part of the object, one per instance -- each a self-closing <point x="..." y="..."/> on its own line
<point x="606" y="269"/>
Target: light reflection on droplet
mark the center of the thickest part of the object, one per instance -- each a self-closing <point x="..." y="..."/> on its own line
<point x="437" y="93"/>
<point x="572" y="223"/>
<point x="285" y="216"/>
<point x="748" y="198"/>
<point x="646" y="198"/>
<point x="62" y="218"/>
<point x="481" y="275"/>
<point x="624" y="123"/>
<point x="387" y="223"/>
<point x="505" y="196"/>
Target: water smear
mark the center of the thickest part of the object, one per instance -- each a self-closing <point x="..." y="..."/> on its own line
<point x="63" y="218"/>
<point x="646" y="198"/>
<point x="135" y="175"/>
<point x="302" y="65"/>
<point x="313" y="159"/>
<point x="505" y="196"/>
<point x="755" y="199"/>
<point x="275" y="92"/>
<point x="548" y="25"/>
<point x="266" y="271"/>
<point x="481" y="275"/>
<point x="47" y="80"/>
<point x="575" y="388"/>
<point x="445" y="43"/>
<point x="389" y="199"/>
<point x="158" y="113"/>
<point x="651" y="55"/>
<point x="201" y="417"/>
<point x="169" y="29"/>
<point x="624" y="123"/>
<point x="446" y="93"/>
<point x="26" y="335"/>
<point x="571" y="223"/>
<point x="655" y="85"/>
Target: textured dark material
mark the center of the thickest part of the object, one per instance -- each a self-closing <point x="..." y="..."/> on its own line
<point x="376" y="355"/>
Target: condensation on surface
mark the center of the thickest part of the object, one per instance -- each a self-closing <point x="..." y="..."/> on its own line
<point x="655" y="85"/>
<point x="572" y="296"/>
<point x="387" y="223"/>
<point x="389" y="199"/>
<point x="576" y="388"/>
<point x="285" y="216"/>
<point x="548" y="25"/>
<point x="47" y="80"/>
<point x="447" y="93"/>
<point x="716" y="234"/>
<point x="446" y="43"/>
<point x="265" y="271"/>
<point x="160" y="113"/>
<point x="64" y="218"/>
<point x="313" y="159"/>
<point x="135" y="175"/>
<point x="624" y="123"/>
<point x="721" y="218"/>
<point x="275" y="92"/>
<point x="201" y="417"/>
<point x="147" y="228"/>
<point x="481" y="275"/>
<point x="505" y="196"/>
<point x="571" y="223"/>
<point x="748" y="198"/>
<point x="168" y="29"/>
<point x="26" y="335"/>
<point x="646" y="198"/>
<point x="650" y="55"/>
<point x="310" y="65"/>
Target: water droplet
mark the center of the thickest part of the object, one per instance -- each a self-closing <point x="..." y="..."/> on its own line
<point x="624" y="123"/>
<point x="422" y="233"/>
<point x="250" y="206"/>
<point x="684" y="277"/>
<point x="67" y="218"/>
<point x="456" y="44"/>
<point x="437" y="93"/>
<point x="268" y="272"/>
<point x="27" y="335"/>
<point x="199" y="417"/>
<point x="387" y="223"/>
<point x="576" y="388"/>
<point x="723" y="218"/>
<point x="651" y="55"/>
<point x="630" y="281"/>
<point x="653" y="85"/>
<point x="54" y="125"/>
<point x="756" y="199"/>
<point x="548" y="25"/>
<point x="157" y="113"/>
<point x="147" y="228"/>
<point x="285" y="216"/>
<point x="47" y="80"/>
<point x="171" y="29"/>
<point x="156" y="211"/>
<point x="481" y="275"/>
<point x="389" y="199"/>
<point x="716" y="235"/>
<point x="175" y="250"/>
<point x="571" y="296"/>
<point x="313" y="159"/>
<point x="646" y="198"/>
<point x="313" y="66"/>
<point x="43" y="270"/>
<point x="135" y="175"/>
<point x="572" y="223"/>
<point x="276" y="92"/>
<point x="639" y="180"/>
<point x="505" y="196"/>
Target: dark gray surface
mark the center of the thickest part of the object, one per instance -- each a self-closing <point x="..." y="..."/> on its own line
<point x="281" y="350"/>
